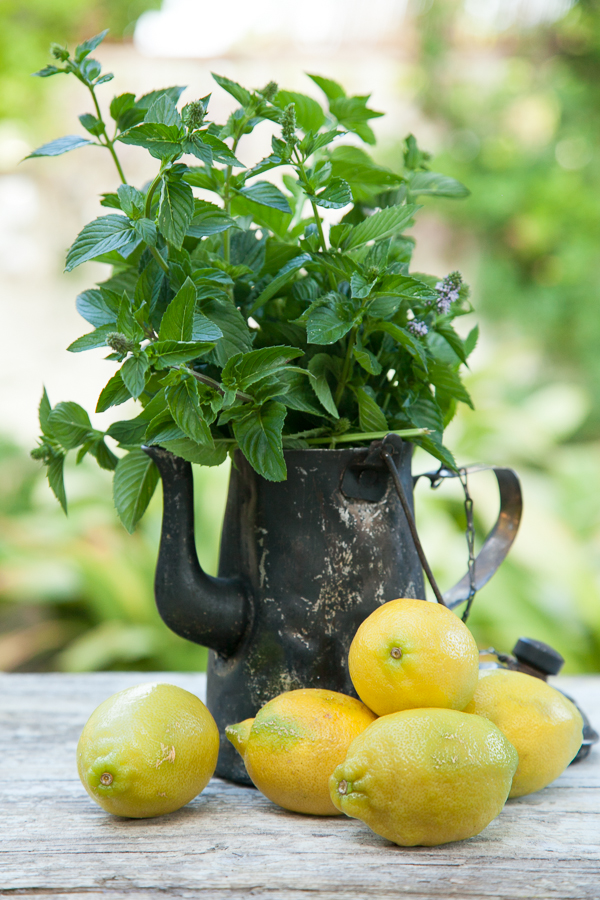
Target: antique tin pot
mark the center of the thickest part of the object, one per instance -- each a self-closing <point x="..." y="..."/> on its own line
<point x="303" y="562"/>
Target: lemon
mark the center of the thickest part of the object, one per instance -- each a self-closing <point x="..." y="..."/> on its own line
<point x="295" y="742"/>
<point x="411" y="654"/>
<point x="544" y="727"/>
<point x="147" y="750"/>
<point x="426" y="776"/>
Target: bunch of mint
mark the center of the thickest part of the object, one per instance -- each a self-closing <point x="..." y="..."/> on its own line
<point x="249" y="322"/>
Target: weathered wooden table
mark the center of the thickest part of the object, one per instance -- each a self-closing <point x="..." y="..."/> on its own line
<point x="231" y="842"/>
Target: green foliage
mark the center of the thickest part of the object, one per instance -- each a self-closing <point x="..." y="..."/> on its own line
<point x="76" y="593"/>
<point x="527" y="140"/>
<point x="28" y="27"/>
<point x="237" y="323"/>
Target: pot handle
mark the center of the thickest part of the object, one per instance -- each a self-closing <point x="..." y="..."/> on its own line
<point x="499" y="541"/>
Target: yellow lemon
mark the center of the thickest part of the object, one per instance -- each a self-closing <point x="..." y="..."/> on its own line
<point x="540" y="722"/>
<point x="295" y="742"/>
<point x="410" y="654"/>
<point x="147" y="750"/>
<point x="426" y="776"/>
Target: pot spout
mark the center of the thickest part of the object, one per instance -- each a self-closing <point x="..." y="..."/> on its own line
<point x="210" y="611"/>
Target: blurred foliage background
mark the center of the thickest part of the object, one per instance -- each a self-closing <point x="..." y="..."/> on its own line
<point x="513" y="112"/>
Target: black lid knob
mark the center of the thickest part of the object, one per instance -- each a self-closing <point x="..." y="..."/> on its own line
<point x="538" y="655"/>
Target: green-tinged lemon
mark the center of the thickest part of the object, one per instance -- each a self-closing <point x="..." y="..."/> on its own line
<point x="542" y="724"/>
<point x="295" y="742"/>
<point x="426" y="776"/>
<point x="147" y="750"/>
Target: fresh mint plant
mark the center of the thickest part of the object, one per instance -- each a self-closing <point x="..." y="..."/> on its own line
<point x="250" y="321"/>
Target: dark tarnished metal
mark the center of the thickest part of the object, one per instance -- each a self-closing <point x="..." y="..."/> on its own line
<point x="214" y="612"/>
<point x="303" y="563"/>
<point x="498" y="542"/>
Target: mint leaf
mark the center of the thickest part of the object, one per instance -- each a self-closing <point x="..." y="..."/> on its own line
<point x="113" y="394"/>
<point x="92" y="340"/>
<point x="131" y="201"/>
<point x="92" y="124"/>
<point x="105" y="458"/>
<point x="209" y="219"/>
<point x="436" y="449"/>
<point x="146" y="230"/>
<point x="403" y="337"/>
<point x="426" y="413"/>
<point x="55" y="473"/>
<point x="44" y="411"/>
<point x="128" y="431"/>
<point x="311" y="143"/>
<point x="163" y="428"/>
<point x="86" y="47"/>
<point x="200" y="454"/>
<point x="177" y="322"/>
<point x="364" y="176"/>
<point x="284" y="275"/>
<point x="385" y="223"/>
<point x="360" y="287"/>
<point x="241" y="94"/>
<point x="319" y="365"/>
<point x="120" y="105"/>
<point x="243" y="370"/>
<point x="134" y="483"/>
<point x="327" y="324"/>
<point x="161" y="141"/>
<point x="184" y="404"/>
<point x="195" y="145"/>
<point x="370" y="416"/>
<point x="367" y="360"/>
<point x="147" y="100"/>
<point x="309" y="114"/>
<point x="331" y="89"/>
<point x="266" y="194"/>
<point x="444" y="328"/>
<point x="205" y="330"/>
<point x="220" y="151"/>
<point x="258" y="433"/>
<point x="436" y="185"/>
<point x="60" y="146"/>
<point x="353" y="113"/>
<point x="236" y="334"/>
<point x="173" y="353"/>
<point x="175" y="210"/>
<point x="47" y="71"/>
<point x="162" y="111"/>
<point x="336" y="195"/>
<point x="471" y="340"/>
<point x="133" y="372"/>
<point x="126" y="323"/>
<point x="70" y="424"/>
<point x="112" y="232"/>
<point x="447" y="383"/>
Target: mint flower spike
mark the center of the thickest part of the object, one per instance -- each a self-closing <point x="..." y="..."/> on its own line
<point x="269" y="91"/>
<point x="419" y="329"/>
<point x="193" y="114"/>
<point x="288" y="125"/>
<point x="448" y="292"/>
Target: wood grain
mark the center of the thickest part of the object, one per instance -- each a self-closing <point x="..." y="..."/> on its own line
<point x="231" y="842"/>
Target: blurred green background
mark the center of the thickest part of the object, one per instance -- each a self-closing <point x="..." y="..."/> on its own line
<point x="510" y="107"/>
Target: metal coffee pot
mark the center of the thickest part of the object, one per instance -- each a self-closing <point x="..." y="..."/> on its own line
<point x="303" y="562"/>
